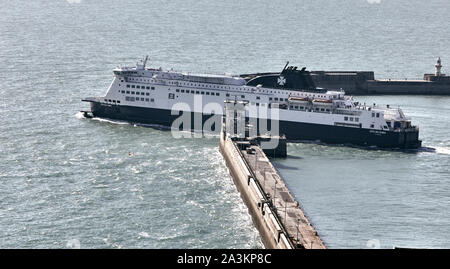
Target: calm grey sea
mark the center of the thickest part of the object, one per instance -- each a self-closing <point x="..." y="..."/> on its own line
<point x="68" y="181"/>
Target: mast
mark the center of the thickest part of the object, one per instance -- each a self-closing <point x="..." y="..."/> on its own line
<point x="285" y="66"/>
<point x="145" y="61"/>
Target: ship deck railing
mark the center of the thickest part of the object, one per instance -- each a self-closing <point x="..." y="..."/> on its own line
<point x="407" y="130"/>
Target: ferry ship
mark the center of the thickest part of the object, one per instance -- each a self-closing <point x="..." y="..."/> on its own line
<point x="144" y="95"/>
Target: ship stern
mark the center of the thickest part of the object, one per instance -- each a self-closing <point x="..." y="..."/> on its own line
<point x="411" y="139"/>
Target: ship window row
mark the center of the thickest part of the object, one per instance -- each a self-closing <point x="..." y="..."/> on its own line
<point x="377" y="114"/>
<point x="206" y="85"/>
<point x="198" y="92"/>
<point x="312" y="110"/>
<point x="140" y="87"/>
<point x="140" y="79"/>
<point x="225" y="87"/>
<point x="277" y="99"/>
<point x="298" y="94"/>
<point x="112" y="101"/>
<point x="137" y="93"/>
<point x="298" y="107"/>
<point x="228" y="95"/>
<point x="213" y="86"/>
<point x="351" y="119"/>
<point x="142" y="99"/>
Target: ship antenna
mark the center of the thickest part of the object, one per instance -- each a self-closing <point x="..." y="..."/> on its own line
<point x="145" y="61"/>
<point x="285" y="66"/>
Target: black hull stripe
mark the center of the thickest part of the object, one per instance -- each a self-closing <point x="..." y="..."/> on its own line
<point x="293" y="130"/>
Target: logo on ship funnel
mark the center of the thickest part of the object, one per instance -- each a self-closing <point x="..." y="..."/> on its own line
<point x="281" y="80"/>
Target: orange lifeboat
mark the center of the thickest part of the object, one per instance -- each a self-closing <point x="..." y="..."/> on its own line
<point x="298" y="100"/>
<point x="322" y="102"/>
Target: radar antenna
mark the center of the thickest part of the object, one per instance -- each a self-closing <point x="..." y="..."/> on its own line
<point x="285" y="66"/>
<point x="145" y="61"/>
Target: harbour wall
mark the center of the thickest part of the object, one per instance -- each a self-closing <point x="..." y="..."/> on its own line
<point x="364" y="83"/>
<point x="275" y="213"/>
<point x="418" y="87"/>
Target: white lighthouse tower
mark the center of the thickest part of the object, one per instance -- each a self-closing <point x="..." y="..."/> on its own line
<point x="438" y="67"/>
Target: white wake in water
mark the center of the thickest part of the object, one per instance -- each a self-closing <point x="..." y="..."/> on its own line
<point x="442" y="150"/>
<point x="80" y="115"/>
<point x="439" y="150"/>
<point x="111" y="121"/>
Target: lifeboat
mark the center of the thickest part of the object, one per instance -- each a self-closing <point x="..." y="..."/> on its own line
<point x="298" y="100"/>
<point x="326" y="102"/>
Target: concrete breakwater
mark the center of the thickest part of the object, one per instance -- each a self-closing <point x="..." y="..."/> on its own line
<point x="364" y="82"/>
<point x="352" y="82"/>
<point x="276" y="214"/>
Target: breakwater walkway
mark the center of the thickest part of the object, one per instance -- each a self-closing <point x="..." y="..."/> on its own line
<point x="275" y="212"/>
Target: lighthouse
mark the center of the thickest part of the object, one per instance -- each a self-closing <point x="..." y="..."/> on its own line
<point x="438" y="67"/>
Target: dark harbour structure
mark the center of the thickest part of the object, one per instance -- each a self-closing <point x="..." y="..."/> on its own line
<point x="364" y="82"/>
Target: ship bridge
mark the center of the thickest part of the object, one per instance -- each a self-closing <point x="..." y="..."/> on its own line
<point x="394" y="114"/>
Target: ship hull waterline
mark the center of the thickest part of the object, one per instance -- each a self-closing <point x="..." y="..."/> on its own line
<point x="294" y="131"/>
